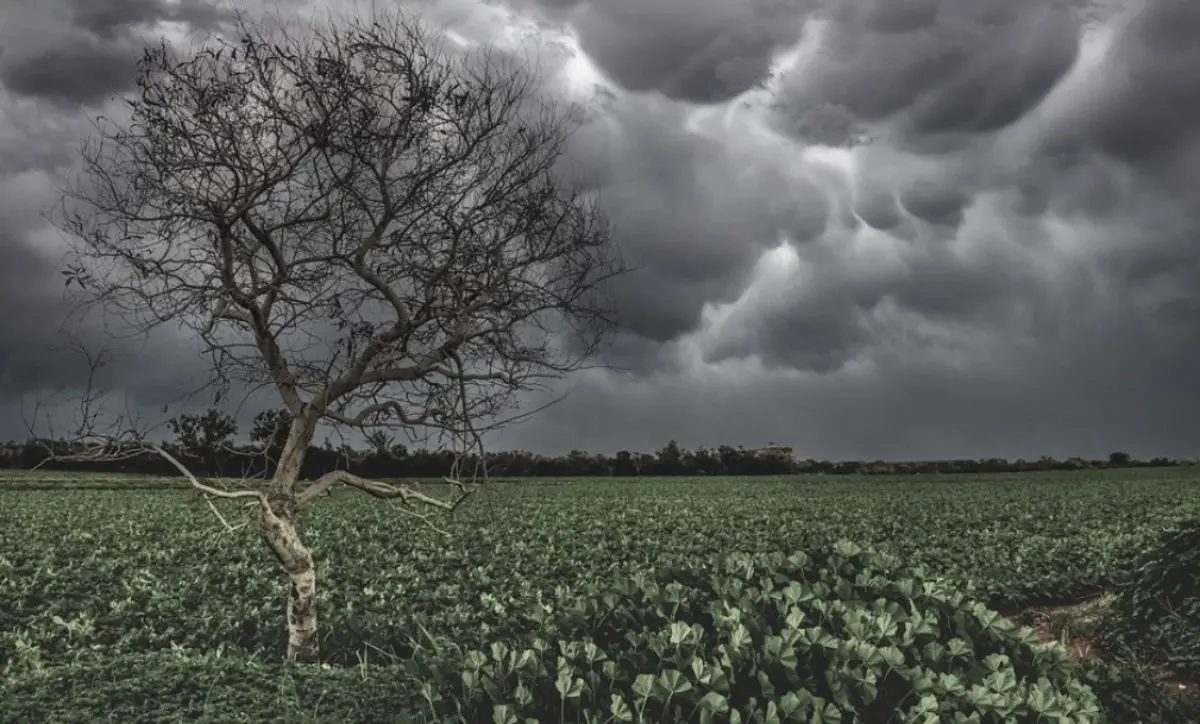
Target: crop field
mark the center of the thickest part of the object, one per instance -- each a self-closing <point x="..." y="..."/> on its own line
<point x="95" y="572"/>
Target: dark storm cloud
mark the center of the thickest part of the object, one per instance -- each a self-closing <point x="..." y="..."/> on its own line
<point x="962" y="67"/>
<point x="42" y="327"/>
<point x="703" y="51"/>
<point x="57" y="57"/>
<point x="878" y="209"/>
<point x="30" y="286"/>
<point x="816" y="337"/>
<point x="27" y="283"/>
<point x="941" y="286"/>
<point x="692" y="212"/>
<point x="1080" y="183"/>
<point x="660" y="308"/>
<point x="934" y="203"/>
<point x="633" y="356"/>
<point x="1051" y="400"/>
<point x="823" y="124"/>
<point x="112" y="19"/>
<point x="1005" y="263"/>
<point x="1148" y="109"/>
<point x="820" y="320"/>
<point x="83" y="73"/>
<point x="81" y="52"/>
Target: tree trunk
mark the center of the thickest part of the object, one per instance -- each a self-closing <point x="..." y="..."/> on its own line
<point x="277" y="524"/>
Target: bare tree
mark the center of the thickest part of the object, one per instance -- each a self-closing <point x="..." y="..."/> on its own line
<point x="372" y="225"/>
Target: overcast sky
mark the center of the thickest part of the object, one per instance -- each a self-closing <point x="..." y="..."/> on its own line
<point x="896" y="229"/>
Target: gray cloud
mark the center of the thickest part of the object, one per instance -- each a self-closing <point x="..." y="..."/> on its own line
<point x="26" y="282"/>
<point x="80" y="52"/>
<point x="83" y="73"/>
<point x="944" y="67"/>
<point x="704" y="51"/>
<point x="934" y="203"/>
<point x="693" y="214"/>
<point x="58" y="58"/>
<point x="113" y="19"/>
<point x="988" y="209"/>
<point x="1154" y="96"/>
<point x="1090" y="401"/>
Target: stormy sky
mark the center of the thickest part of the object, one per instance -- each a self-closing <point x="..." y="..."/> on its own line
<point x="899" y="229"/>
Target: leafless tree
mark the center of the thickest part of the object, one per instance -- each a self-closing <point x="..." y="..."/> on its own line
<point x="374" y="226"/>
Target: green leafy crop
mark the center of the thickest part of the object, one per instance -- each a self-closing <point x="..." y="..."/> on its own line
<point x="1156" y="612"/>
<point x="92" y="582"/>
<point x="834" y="634"/>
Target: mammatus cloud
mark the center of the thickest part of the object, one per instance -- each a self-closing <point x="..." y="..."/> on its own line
<point x="870" y="228"/>
<point x="700" y="51"/>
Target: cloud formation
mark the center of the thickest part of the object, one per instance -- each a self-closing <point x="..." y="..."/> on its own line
<point x="869" y="228"/>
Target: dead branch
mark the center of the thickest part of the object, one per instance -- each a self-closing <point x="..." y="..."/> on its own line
<point x="381" y="490"/>
<point x="95" y="440"/>
<point x="403" y="494"/>
<point x="206" y="489"/>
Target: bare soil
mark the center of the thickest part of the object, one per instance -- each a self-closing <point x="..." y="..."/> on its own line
<point x="1073" y="626"/>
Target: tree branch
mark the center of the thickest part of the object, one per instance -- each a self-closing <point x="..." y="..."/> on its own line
<point x="363" y="418"/>
<point x="206" y="489"/>
<point x="381" y="490"/>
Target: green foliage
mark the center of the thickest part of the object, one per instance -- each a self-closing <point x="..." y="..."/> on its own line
<point x="1130" y="694"/>
<point x="832" y="635"/>
<point x="127" y="570"/>
<point x="183" y="686"/>
<point x="1156" y="613"/>
<point x="203" y="441"/>
<point x="202" y="435"/>
<point x="130" y="575"/>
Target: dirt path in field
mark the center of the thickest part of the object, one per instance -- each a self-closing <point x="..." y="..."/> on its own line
<point x="1072" y="624"/>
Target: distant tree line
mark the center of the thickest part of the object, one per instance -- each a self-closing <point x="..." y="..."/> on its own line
<point x="205" y="442"/>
